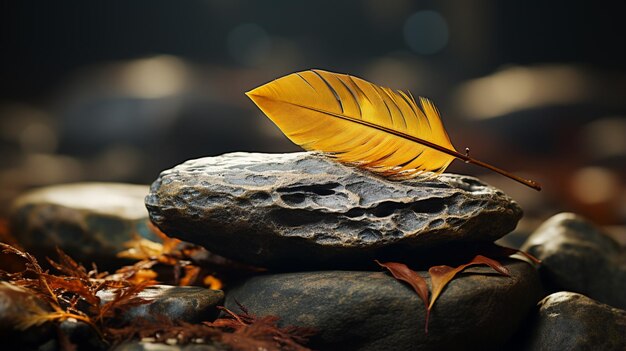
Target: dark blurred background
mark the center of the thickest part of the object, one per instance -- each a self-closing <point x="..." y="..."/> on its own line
<point x="120" y="90"/>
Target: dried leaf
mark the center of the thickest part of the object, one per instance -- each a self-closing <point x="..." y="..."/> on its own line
<point x="142" y="268"/>
<point x="503" y="251"/>
<point x="237" y="331"/>
<point x="73" y="294"/>
<point x="170" y="252"/>
<point x="65" y="292"/>
<point x="212" y="282"/>
<point x="442" y="275"/>
<point x="67" y="284"/>
<point x="68" y="266"/>
<point x="125" y="298"/>
<point x="401" y="272"/>
<point x="250" y="330"/>
<point x="191" y="275"/>
<point x="31" y="261"/>
<point x="363" y="124"/>
<point x="139" y="248"/>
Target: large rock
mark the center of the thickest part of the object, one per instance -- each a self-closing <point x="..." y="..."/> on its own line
<point x="576" y="256"/>
<point x="570" y="321"/>
<point x="177" y="303"/>
<point x="302" y="209"/>
<point x="89" y="221"/>
<point x="359" y="310"/>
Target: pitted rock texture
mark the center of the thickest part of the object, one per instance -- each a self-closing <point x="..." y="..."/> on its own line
<point x="303" y="208"/>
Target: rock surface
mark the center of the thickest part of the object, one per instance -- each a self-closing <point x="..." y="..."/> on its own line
<point x="151" y="346"/>
<point x="184" y="303"/>
<point x="89" y="221"/>
<point x="307" y="210"/>
<point x="570" y="321"/>
<point x="576" y="256"/>
<point x="16" y="305"/>
<point x="81" y="335"/>
<point x="358" y="310"/>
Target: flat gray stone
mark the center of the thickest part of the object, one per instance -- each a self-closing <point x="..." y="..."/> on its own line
<point x="89" y="221"/>
<point x="360" y="310"/>
<point x="577" y="256"/>
<point x="570" y="321"/>
<point x="303" y="209"/>
<point x="178" y="303"/>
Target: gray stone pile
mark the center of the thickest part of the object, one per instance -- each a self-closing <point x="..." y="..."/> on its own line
<point x="317" y="226"/>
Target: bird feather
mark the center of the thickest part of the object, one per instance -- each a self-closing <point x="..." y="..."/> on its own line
<point x="357" y="122"/>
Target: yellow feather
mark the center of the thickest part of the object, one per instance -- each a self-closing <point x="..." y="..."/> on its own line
<point x="306" y="106"/>
<point x="360" y="123"/>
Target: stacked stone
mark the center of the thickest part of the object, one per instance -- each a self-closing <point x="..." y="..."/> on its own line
<point x="318" y="226"/>
<point x="584" y="271"/>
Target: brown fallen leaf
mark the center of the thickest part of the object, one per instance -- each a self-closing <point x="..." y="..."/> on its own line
<point x="190" y="276"/>
<point x="236" y="331"/>
<point x="175" y="262"/>
<point x="72" y="293"/>
<point x="503" y="251"/>
<point x="400" y="271"/>
<point x="212" y="283"/>
<point x="440" y="276"/>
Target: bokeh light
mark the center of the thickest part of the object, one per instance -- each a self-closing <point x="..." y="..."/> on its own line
<point x="426" y="32"/>
<point x="592" y="185"/>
